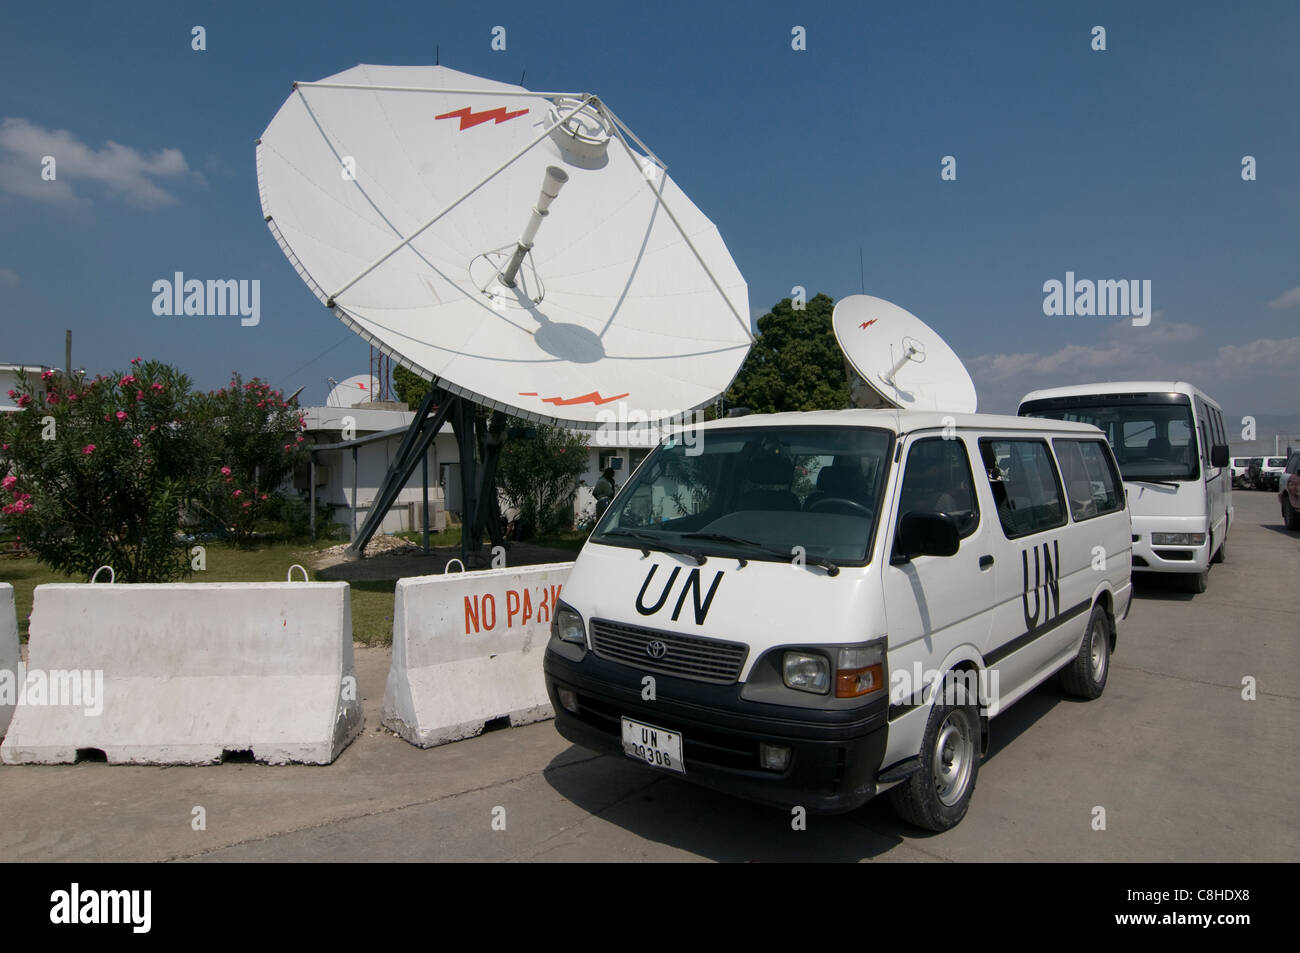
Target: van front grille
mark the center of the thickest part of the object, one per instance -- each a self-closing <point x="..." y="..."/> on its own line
<point x="704" y="660"/>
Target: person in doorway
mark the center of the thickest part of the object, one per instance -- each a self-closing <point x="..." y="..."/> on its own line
<point x="604" y="491"/>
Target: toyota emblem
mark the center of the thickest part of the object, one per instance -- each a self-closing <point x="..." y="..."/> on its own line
<point x="656" y="649"/>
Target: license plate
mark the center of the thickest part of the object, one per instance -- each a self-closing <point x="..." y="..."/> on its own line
<point x="653" y="746"/>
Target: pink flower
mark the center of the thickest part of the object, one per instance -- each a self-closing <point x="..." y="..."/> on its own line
<point x="24" y="400"/>
<point x="46" y="375"/>
<point x="298" y="439"/>
<point x="127" y="380"/>
<point x="11" y="394"/>
<point x="136" y="361"/>
<point x="88" y="449"/>
<point x="139" y="395"/>
<point x="72" y="397"/>
<point x="238" y="493"/>
<point x="157" y="387"/>
<point x="263" y="496"/>
<point x="121" y="415"/>
<point x="136" y="442"/>
<point x="8" y="481"/>
<point x="52" y="399"/>
<point x="153" y="428"/>
<point x="286" y="446"/>
<point x="225" y="471"/>
<point x="247" y="505"/>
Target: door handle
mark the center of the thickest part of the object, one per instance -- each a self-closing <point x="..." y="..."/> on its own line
<point x="985" y="562"/>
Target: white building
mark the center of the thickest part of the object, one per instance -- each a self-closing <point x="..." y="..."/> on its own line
<point x="349" y="472"/>
<point x="9" y="381"/>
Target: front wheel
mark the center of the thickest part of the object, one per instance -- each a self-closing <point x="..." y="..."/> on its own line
<point x="1196" y="581"/>
<point x="1289" y="514"/>
<point x="937" y="796"/>
<point x="1085" y="677"/>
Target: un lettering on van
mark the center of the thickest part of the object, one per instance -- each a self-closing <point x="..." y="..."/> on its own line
<point x="692" y="586"/>
<point x="515" y="609"/>
<point x="1046" y="588"/>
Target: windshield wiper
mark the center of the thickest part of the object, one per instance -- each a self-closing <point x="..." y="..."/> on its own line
<point x="658" y="542"/>
<point x="830" y="567"/>
<point x="1155" y="482"/>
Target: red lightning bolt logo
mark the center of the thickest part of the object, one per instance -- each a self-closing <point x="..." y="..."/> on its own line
<point x="469" y="118"/>
<point x="866" y="324"/>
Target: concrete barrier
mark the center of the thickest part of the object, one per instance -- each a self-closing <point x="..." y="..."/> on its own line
<point x="467" y="649"/>
<point x="184" y="673"/>
<point x="10" y="656"/>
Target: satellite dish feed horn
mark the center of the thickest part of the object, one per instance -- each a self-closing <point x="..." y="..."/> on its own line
<point x="913" y="350"/>
<point x="551" y="185"/>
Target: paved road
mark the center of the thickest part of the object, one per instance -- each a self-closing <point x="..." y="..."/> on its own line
<point x="1185" y="768"/>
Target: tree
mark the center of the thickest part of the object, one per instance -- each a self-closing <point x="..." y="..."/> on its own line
<point x="538" y="473"/>
<point x="253" y="444"/>
<point x="100" y="474"/>
<point x="409" y="386"/>
<point x="795" y="363"/>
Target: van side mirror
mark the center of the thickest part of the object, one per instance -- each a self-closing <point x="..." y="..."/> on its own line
<point x="922" y="533"/>
<point x="1219" y="455"/>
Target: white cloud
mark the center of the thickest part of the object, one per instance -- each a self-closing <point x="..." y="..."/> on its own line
<point x="9" y="278"/>
<point x="122" y="170"/>
<point x="1287" y="299"/>
<point x="1235" y="374"/>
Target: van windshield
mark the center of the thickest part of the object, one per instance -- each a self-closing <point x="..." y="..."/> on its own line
<point x="757" y="493"/>
<point x="1153" y="435"/>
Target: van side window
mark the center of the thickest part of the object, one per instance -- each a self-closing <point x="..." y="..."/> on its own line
<point x="1024" y="484"/>
<point x="938" y="480"/>
<point x="1090" y="483"/>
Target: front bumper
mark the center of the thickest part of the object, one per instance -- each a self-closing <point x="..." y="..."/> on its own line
<point x="835" y="754"/>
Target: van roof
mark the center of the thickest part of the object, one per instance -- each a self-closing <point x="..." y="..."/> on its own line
<point x="899" y="421"/>
<point x="1115" y="387"/>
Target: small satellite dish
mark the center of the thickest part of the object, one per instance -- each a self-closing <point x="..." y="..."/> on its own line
<point x="523" y="250"/>
<point x="899" y="361"/>
<point x="355" y="390"/>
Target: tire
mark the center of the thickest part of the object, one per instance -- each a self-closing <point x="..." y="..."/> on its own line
<point x="1289" y="515"/>
<point x="937" y="797"/>
<point x="1196" y="582"/>
<point x="1222" y="553"/>
<point x="1086" y="676"/>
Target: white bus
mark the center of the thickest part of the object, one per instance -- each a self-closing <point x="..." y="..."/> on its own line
<point x="1172" y="449"/>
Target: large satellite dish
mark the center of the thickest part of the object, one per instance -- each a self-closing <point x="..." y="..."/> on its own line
<point x="899" y="361"/>
<point x="524" y="250"/>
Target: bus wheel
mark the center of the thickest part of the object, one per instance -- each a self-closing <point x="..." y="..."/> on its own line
<point x="937" y="796"/>
<point x="1196" y="581"/>
<point x="1085" y="677"/>
<point x="1221" y="553"/>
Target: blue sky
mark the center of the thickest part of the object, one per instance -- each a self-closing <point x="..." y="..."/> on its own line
<point x="1117" y="164"/>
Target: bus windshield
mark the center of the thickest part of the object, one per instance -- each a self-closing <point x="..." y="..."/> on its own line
<point x="1153" y="439"/>
<point x="771" y="493"/>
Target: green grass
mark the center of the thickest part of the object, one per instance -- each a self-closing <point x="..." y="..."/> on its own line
<point x="372" y="602"/>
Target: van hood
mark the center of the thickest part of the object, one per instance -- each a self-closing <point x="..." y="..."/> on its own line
<point x="763" y="604"/>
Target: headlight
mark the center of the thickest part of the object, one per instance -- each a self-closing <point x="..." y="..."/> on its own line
<point x="566" y="625"/>
<point x="1177" y="539"/>
<point x="861" y="670"/>
<point x="806" y="672"/>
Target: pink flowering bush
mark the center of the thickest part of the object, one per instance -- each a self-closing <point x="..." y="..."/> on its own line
<point x="98" y="477"/>
<point x="251" y="452"/>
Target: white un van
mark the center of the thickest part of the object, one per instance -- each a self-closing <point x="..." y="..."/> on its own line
<point x="1171" y="444"/>
<point x="812" y="608"/>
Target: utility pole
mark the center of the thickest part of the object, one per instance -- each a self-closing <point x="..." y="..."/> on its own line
<point x="67" y="351"/>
